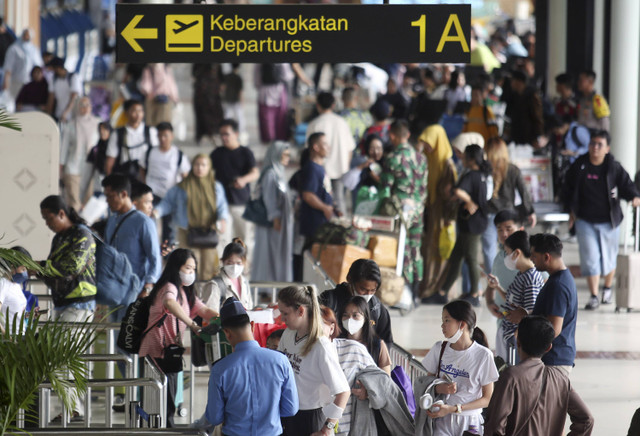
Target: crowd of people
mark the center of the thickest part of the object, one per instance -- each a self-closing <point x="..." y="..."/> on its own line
<point x="434" y="147"/>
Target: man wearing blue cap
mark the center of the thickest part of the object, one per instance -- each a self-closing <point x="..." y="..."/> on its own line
<point x="252" y="388"/>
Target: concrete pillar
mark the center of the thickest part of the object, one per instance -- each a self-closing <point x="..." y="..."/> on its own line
<point x="624" y="74"/>
<point x="598" y="42"/>
<point x="557" y="43"/>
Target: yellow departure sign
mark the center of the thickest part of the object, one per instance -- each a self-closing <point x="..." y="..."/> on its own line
<point x="184" y="33"/>
<point x="292" y="33"/>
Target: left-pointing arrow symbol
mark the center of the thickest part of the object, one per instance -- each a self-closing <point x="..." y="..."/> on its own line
<point x="131" y="34"/>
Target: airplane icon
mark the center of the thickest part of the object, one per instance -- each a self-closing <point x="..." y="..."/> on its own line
<point x="184" y="33"/>
<point x="183" y="26"/>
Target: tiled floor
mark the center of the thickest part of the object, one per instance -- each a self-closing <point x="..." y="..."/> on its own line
<point x="607" y="368"/>
<point x="607" y="371"/>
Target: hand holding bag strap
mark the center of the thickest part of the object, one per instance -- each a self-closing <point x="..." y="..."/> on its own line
<point x="444" y="347"/>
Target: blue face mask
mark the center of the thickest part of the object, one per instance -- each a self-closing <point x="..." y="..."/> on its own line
<point x="20" y="278"/>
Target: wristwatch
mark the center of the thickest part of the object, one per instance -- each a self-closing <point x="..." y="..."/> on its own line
<point x="330" y="425"/>
<point x="458" y="408"/>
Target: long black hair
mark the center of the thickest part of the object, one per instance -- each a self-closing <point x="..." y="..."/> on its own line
<point x="369" y="336"/>
<point x="461" y="310"/>
<point x="55" y="204"/>
<point x="475" y="153"/>
<point x="171" y="274"/>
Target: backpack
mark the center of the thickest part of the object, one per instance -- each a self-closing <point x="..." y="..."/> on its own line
<point x="129" y="167"/>
<point x="270" y="74"/>
<point x="116" y="282"/>
<point x="134" y="325"/>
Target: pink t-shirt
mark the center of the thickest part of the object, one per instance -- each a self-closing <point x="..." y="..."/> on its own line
<point x="154" y="342"/>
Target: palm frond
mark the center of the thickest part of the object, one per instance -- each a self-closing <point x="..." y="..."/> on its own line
<point x="38" y="352"/>
<point x="8" y="122"/>
<point x="10" y="259"/>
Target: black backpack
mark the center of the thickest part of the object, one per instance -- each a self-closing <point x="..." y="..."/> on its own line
<point x="270" y="74"/>
<point x="134" y="325"/>
<point x="130" y="168"/>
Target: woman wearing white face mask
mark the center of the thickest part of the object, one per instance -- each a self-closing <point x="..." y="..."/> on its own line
<point x="363" y="280"/>
<point x="522" y="293"/>
<point x="230" y="282"/>
<point x="356" y="324"/>
<point x="465" y="360"/>
<point x="173" y="296"/>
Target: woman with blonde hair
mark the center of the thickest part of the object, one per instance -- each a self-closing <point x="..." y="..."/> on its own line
<point x="507" y="179"/>
<point x="315" y="365"/>
<point x="198" y="207"/>
<point x="440" y="208"/>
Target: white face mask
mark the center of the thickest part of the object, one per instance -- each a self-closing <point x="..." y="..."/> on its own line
<point x="453" y="339"/>
<point x="233" y="271"/>
<point x="354" y="325"/>
<point x="367" y="297"/>
<point x="510" y="262"/>
<point x="187" y="279"/>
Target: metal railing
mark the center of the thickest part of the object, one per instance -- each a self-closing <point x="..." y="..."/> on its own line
<point x="118" y="431"/>
<point x="408" y="362"/>
<point x="156" y="400"/>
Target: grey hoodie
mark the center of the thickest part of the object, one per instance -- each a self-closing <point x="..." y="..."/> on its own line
<point x="385" y="396"/>
<point x="423" y="385"/>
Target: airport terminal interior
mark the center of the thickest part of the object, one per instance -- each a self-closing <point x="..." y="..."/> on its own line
<point x="554" y="37"/>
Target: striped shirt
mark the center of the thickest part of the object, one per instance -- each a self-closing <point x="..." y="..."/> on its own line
<point x="353" y="358"/>
<point x="522" y="292"/>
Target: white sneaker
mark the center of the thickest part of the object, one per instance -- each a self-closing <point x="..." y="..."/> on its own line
<point x="593" y="303"/>
<point x="607" y="295"/>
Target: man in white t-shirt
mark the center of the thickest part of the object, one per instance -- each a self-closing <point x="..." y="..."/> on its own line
<point x="338" y="134"/>
<point x="12" y="302"/>
<point x="162" y="168"/>
<point x="128" y="145"/>
<point x="66" y="89"/>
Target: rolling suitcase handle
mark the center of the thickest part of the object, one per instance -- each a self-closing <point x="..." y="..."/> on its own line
<point x="636" y="241"/>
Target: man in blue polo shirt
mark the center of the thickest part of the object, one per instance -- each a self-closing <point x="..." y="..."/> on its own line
<point x="557" y="300"/>
<point x="253" y="387"/>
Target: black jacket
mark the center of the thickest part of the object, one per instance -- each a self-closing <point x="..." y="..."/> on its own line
<point x="619" y="185"/>
<point x="337" y="298"/>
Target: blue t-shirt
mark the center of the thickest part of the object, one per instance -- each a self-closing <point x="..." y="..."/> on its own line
<point x="558" y="297"/>
<point x="312" y="180"/>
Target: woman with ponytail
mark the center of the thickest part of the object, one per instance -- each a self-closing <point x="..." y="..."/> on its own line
<point x="471" y="223"/>
<point x="315" y="365"/>
<point x="230" y="282"/>
<point x="464" y="360"/>
<point x="70" y="270"/>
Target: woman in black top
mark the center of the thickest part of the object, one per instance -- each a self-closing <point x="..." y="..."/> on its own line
<point x="363" y="280"/>
<point x="471" y="222"/>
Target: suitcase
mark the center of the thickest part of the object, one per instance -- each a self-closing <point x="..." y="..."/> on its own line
<point x="628" y="270"/>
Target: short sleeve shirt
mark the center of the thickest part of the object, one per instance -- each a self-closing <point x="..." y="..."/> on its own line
<point x="558" y="297"/>
<point x="318" y="374"/>
<point x="313" y="179"/>
<point x="229" y="165"/>
<point x="12" y="299"/>
<point x="63" y="87"/>
<point x="159" y="337"/>
<point x="132" y="140"/>
<point x="164" y="172"/>
<point x="471" y="369"/>
<point x="474" y="183"/>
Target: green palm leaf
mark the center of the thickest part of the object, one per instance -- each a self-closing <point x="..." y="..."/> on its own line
<point x="28" y="359"/>
<point x="8" y="122"/>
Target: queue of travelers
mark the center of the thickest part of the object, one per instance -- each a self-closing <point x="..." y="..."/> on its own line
<point x="331" y="370"/>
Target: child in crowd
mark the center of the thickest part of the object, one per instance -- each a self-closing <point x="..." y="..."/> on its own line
<point x="274" y="339"/>
<point x="466" y="362"/>
<point x="356" y="324"/>
<point x="520" y="296"/>
<point x="315" y="364"/>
